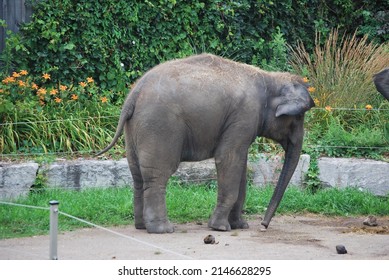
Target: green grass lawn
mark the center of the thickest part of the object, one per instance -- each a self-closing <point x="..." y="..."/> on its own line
<point x="186" y="203"/>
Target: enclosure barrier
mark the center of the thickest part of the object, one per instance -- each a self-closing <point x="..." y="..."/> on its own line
<point x="54" y="211"/>
<point x="53" y="230"/>
<point x="88" y="152"/>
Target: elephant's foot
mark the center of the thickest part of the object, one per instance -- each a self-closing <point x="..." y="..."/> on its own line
<point x="239" y="224"/>
<point x="160" y="227"/>
<point x="140" y="225"/>
<point x="263" y="226"/>
<point x="221" y="225"/>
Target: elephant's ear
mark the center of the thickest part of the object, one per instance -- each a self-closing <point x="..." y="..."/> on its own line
<point x="381" y="81"/>
<point x="294" y="100"/>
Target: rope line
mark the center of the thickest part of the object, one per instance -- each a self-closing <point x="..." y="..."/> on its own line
<point x="99" y="227"/>
<point x="125" y="236"/>
<point x="89" y="152"/>
<point x="348" y="109"/>
<point x="58" y="120"/>
<point x="23" y="205"/>
<point x="111" y="117"/>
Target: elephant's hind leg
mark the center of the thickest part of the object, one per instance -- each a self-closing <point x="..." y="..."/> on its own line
<point x="138" y="186"/>
<point x="138" y="196"/>
<point x="157" y="163"/>
<point x="154" y="195"/>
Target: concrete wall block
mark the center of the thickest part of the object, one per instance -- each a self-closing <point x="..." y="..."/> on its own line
<point x="197" y="172"/>
<point x="16" y="179"/>
<point x="365" y="174"/>
<point x="87" y="174"/>
<point x="268" y="168"/>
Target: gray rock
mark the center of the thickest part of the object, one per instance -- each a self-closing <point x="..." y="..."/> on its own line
<point x="365" y="174"/>
<point x="340" y="249"/>
<point x="196" y="172"/>
<point x="266" y="170"/>
<point x="370" y="221"/>
<point x="16" y="179"/>
<point x="87" y="174"/>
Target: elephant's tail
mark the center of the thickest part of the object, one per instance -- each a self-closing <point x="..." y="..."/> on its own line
<point x="125" y="115"/>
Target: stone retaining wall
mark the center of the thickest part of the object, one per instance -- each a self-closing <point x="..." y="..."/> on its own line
<point x="17" y="179"/>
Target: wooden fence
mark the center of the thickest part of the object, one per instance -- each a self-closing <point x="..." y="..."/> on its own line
<point x="14" y="12"/>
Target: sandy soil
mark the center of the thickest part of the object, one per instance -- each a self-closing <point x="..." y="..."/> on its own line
<point x="307" y="237"/>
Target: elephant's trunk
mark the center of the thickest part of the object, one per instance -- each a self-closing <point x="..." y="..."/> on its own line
<point x="292" y="156"/>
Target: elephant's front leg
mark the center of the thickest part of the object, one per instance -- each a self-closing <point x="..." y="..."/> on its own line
<point x="231" y="169"/>
<point x="235" y="218"/>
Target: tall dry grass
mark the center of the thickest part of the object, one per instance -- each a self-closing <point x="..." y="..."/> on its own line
<point x="341" y="69"/>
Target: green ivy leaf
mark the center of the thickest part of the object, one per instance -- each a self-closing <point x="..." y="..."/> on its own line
<point x="69" y="46"/>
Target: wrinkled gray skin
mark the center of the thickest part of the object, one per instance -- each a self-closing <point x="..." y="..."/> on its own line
<point x="381" y="81"/>
<point x="201" y="107"/>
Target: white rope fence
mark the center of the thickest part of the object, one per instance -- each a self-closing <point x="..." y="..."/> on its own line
<point x="59" y="120"/>
<point x="113" y="117"/>
<point x="54" y="212"/>
<point x="91" y="152"/>
<point x="87" y="152"/>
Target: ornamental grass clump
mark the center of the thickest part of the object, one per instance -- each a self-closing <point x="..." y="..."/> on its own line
<point x="341" y="69"/>
<point x="350" y="118"/>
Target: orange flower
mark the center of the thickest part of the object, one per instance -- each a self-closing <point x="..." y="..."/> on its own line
<point x="328" y="108"/>
<point x="15" y="75"/>
<point x="83" y="84"/>
<point x="305" y="80"/>
<point x="22" y="84"/>
<point x="58" y="100"/>
<point x="89" y="80"/>
<point x="74" y="96"/>
<point x="317" y="101"/>
<point x="104" y="99"/>
<point x="368" y="107"/>
<point x="34" y="86"/>
<point x="1" y="91"/>
<point x="46" y="76"/>
<point x="63" y="88"/>
<point x="311" y="89"/>
<point x="8" y="80"/>
<point x="23" y="72"/>
<point x="42" y="91"/>
<point x="53" y="91"/>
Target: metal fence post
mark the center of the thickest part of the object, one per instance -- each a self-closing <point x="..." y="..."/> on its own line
<point x="53" y="229"/>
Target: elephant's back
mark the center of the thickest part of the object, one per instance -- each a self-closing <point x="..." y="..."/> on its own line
<point x="200" y="78"/>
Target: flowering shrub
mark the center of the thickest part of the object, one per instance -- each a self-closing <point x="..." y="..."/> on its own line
<point x="40" y="115"/>
<point x="20" y="87"/>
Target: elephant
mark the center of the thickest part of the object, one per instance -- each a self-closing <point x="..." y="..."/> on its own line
<point x="205" y="106"/>
<point x="381" y="81"/>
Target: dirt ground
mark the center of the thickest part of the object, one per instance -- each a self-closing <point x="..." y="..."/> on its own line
<point x="307" y="237"/>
